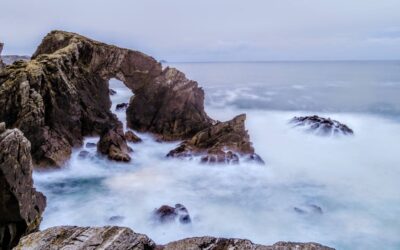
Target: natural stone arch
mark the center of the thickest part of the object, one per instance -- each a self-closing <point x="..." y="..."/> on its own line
<point x="62" y="95"/>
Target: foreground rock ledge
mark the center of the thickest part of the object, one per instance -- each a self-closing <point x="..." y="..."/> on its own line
<point x="21" y="206"/>
<point x="107" y="238"/>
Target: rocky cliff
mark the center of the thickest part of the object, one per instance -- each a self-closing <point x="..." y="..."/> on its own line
<point x="1" y="62"/>
<point x="114" y="238"/>
<point x="62" y="95"/>
<point x="21" y="206"/>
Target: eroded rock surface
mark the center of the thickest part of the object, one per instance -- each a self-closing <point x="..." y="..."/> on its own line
<point x="321" y="126"/>
<point x="223" y="142"/>
<point x="86" y="238"/>
<point x="62" y="94"/>
<point x="21" y="206"/>
<point x="119" y="238"/>
<point x="113" y="144"/>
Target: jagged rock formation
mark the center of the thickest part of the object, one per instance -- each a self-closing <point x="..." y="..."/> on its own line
<point x="10" y="59"/>
<point x="84" y="238"/>
<point x="113" y="144"/>
<point x="321" y="126"/>
<point x="62" y="94"/>
<point x="1" y="49"/>
<point x="166" y="214"/>
<point x="115" y="238"/>
<point x="222" y="142"/>
<point x="21" y="206"/>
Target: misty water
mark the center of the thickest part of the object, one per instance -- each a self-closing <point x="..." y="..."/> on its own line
<point x="340" y="191"/>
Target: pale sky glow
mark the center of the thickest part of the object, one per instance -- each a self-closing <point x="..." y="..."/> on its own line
<point x="215" y="30"/>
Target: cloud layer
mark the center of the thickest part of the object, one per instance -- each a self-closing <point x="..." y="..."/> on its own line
<point x="210" y="30"/>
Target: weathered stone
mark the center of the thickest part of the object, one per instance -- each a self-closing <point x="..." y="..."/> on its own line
<point x="321" y="125"/>
<point x="132" y="137"/>
<point x="62" y="95"/>
<point x="211" y="243"/>
<point x="86" y="238"/>
<point x="222" y="142"/>
<point x="21" y="206"/>
<point x="113" y="144"/>
<point x="166" y="214"/>
<point x="119" y="238"/>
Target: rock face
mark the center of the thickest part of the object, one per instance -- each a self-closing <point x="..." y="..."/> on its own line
<point x="167" y="214"/>
<point x="86" y="238"/>
<point x="1" y="49"/>
<point x="62" y="94"/>
<point x="21" y="206"/>
<point x="171" y="106"/>
<point x="113" y="144"/>
<point x="222" y="142"/>
<point x="118" y="238"/>
<point x="321" y="126"/>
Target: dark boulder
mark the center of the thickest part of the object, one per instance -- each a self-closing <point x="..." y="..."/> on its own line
<point x="166" y="214"/>
<point x="113" y="144"/>
<point x="121" y="106"/>
<point x="21" y="206"/>
<point x="223" y="142"/>
<point x="321" y="126"/>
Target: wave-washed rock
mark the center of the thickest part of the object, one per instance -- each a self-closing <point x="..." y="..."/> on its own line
<point x="62" y="95"/>
<point x="113" y="144"/>
<point x="166" y="214"/>
<point x="21" y="206"/>
<point x="321" y="126"/>
<point x="223" y="142"/>
<point x="115" y="238"/>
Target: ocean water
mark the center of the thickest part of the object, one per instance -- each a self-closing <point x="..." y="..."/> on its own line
<point x="340" y="191"/>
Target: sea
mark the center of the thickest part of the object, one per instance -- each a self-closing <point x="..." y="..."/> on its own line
<point x="340" y="191"/>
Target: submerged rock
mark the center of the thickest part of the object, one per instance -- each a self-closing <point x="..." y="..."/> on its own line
<point x="120" y="238"/>
<point x="83" y="238"/>
<point x="91" y="145"/>
<point x="116" y="219"/>
<point x="321" y="125"/>
<point x="223" y="142"/>
<point x="62" y="95"/>
<point x="166" y="214"/>
<point x="112" y="92"/>
<point x="308" y="209"/>
<point x="83" y="154"/>
<point x="132" y="137"/>
<point x="121" y="106"/>
<point x="113" y="144"/>
<point x="21" y="206"/>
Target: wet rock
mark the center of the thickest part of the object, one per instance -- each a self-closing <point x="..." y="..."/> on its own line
<point x="83" y="154"/>
<point x="321" y="126"/>
<point x="62" y="95"/>
<point x="170" y="106"/>
<point x="91" y="145"/>
<point x="116" y="219"/>
<point x="166" y="214"/>
<point x="112" y="92"/>
<point x="83" y="238"/>
<point x="223" y="142"/>
<point x="113" y="144"/>
<point x="121" y="106"/>
<point x="21" y="206"/>
<point x="132" y="137"/>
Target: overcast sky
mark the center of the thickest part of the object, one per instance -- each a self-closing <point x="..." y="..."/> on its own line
<point x="214" y="30"/>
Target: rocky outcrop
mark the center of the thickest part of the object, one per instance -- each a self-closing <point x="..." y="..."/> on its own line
<point x="166" y="214"/>
<point x="62" y="94"/>
<point x="1" y="62"/>
<point x="86" y="238"/>
<point x="211" y="243"/>
<point x="321" y="126"/>
<point x="113" y="144"/>
<point x="223" y="142"/>
<point x="170" y="106"/>
<point x="21" y="206"/>
<point x="119" y="238"/>
<point x="132" y="137"/>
